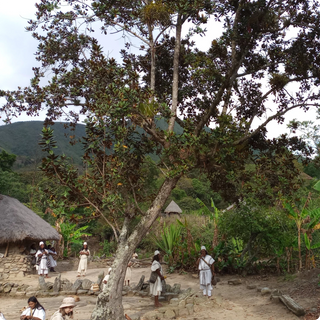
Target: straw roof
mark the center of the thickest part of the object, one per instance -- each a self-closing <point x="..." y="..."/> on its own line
<point x="20" y="223"/>
<point x="173" y="207"/>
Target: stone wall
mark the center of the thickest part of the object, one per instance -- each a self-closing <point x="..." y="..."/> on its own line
<point x="16" y="264"/>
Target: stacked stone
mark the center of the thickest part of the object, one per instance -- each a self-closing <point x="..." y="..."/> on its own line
<point x="15" y="266"/>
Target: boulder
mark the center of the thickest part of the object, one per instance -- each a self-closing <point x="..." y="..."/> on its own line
<point x="182" y="312"/>
<point x="86" y="284"/>
<point x="100" y="278"/>
<point x="42" y="284"/>
<point x="174" y="301"/>
<point x="190" y="308"/>
<point x="139" y="286"/>
<point x="176" y="288"/>
<point x="57" y="284"/>
<point x="49" y="285"/>
<point x="67" y="286"/>
<point x="265" y="291"/>
<point x="292" y="305"/>
<point x="234" y="282"/>
<point x="77" y="285"/>
<point x="182" y="304"/>
<point x="7" y="288"/>
<point x="251" y="286"/>
<point x="169" y="314"/>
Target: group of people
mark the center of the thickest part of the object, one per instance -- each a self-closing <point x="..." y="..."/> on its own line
<point x="35" y="311"/>
<point x="205" y="264"/>
<point x="45" y="261"/>
<point x="44" y="258"/>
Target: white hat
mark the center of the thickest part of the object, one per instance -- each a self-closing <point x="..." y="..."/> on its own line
<point x="68" y="302"/>
<point x="85" y="244"/>
<point x="203" y="248"/>
<point x="41" y="243"/>
<point x="156" y="252"/>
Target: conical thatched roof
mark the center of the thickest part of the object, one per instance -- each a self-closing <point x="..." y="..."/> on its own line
<point x="173" y="207"/>
<point x="17" y="222"/>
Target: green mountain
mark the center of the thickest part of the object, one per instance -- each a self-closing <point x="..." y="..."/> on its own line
<point x="22" y="138"/>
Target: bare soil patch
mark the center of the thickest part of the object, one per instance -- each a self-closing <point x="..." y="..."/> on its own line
<point x="230" y="302"/>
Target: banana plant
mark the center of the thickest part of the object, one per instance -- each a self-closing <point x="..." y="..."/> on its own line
<point x="214" y="216"/>
<point x="309" y="229"/>
<point x="299" y="218"/>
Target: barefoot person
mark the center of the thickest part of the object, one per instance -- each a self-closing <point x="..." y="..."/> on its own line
<point x="206" y="268"/>
<point x="66" y="309"/>
<point x="42" y="260"/>
<point x="129" y="271"/>
<point x="83" y="264"/>
<point x="35" y="310"/>
<point x="156" y="287"/>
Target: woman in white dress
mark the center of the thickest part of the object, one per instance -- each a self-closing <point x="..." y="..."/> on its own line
<point x="42" y="260"/>
<point x="66" y="309"/>
<point x="206" y="268"/>
<point x="83" y="263"/>
<point x="106" y="278"/>
<point x="35" y="310"/>
<point x="156" y="288"/>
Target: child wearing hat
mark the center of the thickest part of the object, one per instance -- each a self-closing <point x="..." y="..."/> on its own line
<point x="66" y="309"/>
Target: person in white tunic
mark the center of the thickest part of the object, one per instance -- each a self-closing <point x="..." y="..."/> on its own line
<point x="53" y="263"/>
<point x="83" y="264"/>
<point x="156" y="288"/>
<point x="66" y="309"/>
<point x="35" y="310"/>
<point x="42" y="256"/>
<point x="106" y="278"/>
<point x="206" y="267"/>
<point x="129" y="269"/>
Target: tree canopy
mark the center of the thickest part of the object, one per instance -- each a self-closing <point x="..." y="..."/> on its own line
<point x="220" y="97"/>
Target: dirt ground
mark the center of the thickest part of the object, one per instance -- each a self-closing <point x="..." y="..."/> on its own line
<point x="231" y="302"/>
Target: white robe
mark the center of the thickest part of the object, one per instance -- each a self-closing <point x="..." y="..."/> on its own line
<point x="83" y="263"/>
<point x="53" y="263"/>
<point x="43" y="267"/>
<point x="156" y="288"/>
<point x="205" y="273"/>
<point x="36" y="313"/>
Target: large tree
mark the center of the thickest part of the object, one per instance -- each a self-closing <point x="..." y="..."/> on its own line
<point x="220" y="97"/>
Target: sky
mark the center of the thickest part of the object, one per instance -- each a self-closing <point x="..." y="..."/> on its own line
<point x="17" y="48"/>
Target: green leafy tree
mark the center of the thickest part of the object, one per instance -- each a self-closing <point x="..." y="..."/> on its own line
<point x="219" y="94"/>
<point x="7" y="160"/>
<point x="72" y="235"/>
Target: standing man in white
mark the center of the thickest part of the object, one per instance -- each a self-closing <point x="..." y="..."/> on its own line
<point x="206" y="268"/>
<point x="42" y="260"/>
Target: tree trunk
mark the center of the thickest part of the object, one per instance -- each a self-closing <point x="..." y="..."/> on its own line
<point x="109" y="302"/>
<point x="299" y="248"/>
<point x="175" y="80"/>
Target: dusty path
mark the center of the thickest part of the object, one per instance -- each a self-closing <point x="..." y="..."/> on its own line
<point x="232" y="302"/>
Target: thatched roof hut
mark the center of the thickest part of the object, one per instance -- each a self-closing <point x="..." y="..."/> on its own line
<point x="173" y="208"/>
<point x="19" y="223"/>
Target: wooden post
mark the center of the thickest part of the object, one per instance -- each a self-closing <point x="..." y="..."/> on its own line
<point x="7" y="250"/>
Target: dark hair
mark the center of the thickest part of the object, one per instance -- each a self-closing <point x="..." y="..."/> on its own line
<point x="35" y="300"/>
<point x="156" y="258"/>
<point x="85" y="248"/>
